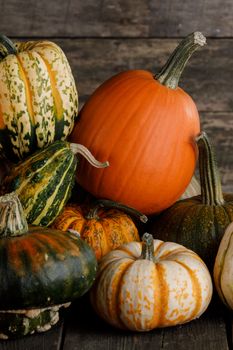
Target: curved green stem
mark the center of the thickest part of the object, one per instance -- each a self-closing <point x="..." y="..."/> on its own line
<point x="147" y="247"/>
<point x="170" y="74"/>
<point x="211" y="190"/>
<point x="13" y="221"/>
<point x="8" y="48"/>
<point x="106" y="203"/>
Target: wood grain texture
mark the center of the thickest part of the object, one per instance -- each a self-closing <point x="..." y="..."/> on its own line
<point x="219" y="127"/>
<point x="207" y="78"/>
<point x="84" y="330"/>
<point x="50" y="340"/>
<point x="116" y="18"/>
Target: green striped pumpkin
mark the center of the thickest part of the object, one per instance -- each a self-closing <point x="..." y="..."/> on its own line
<point x="38" y="97"/>
<point x="41" y="270"/>
<point x="45" y="179"/>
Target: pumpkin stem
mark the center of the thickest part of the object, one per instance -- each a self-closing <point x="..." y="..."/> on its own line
<point x="147" y="247"/>
<point x="13" y="221"/>
<point x="77" y="148"/>
<point x="211" y="190"/>
<point x="106" y="203"/>
<point x="170" y="74"/>
<point x="6" y="47"/>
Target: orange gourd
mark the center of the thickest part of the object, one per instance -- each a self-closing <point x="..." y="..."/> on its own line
<point x="104" y="229"/>
<point x="144" y="125"/>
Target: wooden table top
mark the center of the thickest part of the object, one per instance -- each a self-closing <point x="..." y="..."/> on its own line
<point x="81" y="329"/>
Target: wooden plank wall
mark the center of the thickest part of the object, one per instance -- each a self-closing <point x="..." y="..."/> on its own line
<point x="103" y="37"/>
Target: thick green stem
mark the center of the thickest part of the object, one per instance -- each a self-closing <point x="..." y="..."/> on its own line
<point x="171" y="72"/>
<point x="147" y="247"/>
<point x="6" y="47"/>
<point x="13" y="222"/>
<point x="211" y="190"/>
<point x="106" y="203"/>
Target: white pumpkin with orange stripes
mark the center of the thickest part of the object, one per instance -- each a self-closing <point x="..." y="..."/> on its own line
<point x="38" y="97"/>
<point x="141" y="286"/>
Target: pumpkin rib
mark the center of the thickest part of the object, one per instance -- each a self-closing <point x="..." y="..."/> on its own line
<point x="136" y="160"/>
<point x="219" y="285"/>
<point x="164" y="293"/>
<point x="55" y="92"/>
<point x="115" y="137"/>
<point x="28" y="91"/>
<point x="196" y="290"/>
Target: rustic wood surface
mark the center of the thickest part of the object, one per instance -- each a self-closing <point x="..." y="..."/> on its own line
<point x="102" y="38"/>
<point x="116" y="18"/>
<point x="84" y="330"/>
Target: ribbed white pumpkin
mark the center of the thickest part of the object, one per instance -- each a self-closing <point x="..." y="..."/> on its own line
<point x="141" y="286"/>
<point x="223" y="268"/>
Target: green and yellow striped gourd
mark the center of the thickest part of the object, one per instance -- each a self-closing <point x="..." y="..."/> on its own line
<point x="38" y="97"/>
<point x="45" y="179"/>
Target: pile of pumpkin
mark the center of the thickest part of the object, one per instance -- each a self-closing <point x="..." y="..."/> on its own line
<point x="56" y="242"/>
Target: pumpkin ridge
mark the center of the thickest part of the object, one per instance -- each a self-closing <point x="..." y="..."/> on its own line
<point x="195" y="289"/>
<point x="55" y="92"/>
<point x="64" y="175"/>
<point x="28" y="91"/>
<point x="13" y="125"/>
<point x="117" y="136"/>
<point x="221" y="271"/>
<point x="164" y="293"/>
<point x="124" y="161"/>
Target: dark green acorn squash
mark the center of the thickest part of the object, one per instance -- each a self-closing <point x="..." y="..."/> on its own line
<point x="41" y="270"/>
<point x="45" y="179"/>
<point x="199" y="222"/>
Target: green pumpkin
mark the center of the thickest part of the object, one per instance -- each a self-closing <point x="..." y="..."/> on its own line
<point x="199" y="222"/>
<point x="41" y="270"/>
<point x="45" y="179"/>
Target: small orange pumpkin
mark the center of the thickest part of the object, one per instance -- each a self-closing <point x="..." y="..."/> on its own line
<point x="144" y="125"/>
<point x="104" y="229"/>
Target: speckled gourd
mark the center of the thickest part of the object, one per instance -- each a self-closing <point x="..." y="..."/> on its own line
<point x="38" y="96"/>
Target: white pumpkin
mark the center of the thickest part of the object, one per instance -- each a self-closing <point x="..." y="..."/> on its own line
<point x="223" y="268"/>
<point x="141" y="286"/>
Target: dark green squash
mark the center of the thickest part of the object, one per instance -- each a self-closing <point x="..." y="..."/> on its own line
<point x="199" y="222"/>
<point x="44" y="180"/>
<point x="41" y="270"/>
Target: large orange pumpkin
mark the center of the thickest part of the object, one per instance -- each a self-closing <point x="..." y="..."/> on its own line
<point x="144" y="126"/>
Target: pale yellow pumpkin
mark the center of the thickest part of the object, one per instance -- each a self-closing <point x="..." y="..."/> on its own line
<point x="141" y="286"/>
<point x="223" y="268"/>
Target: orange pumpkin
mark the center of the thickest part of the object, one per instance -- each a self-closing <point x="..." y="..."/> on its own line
<point x="144" y="125"/>
<point x="104" y="229"/>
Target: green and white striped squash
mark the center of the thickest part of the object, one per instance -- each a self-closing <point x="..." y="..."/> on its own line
<point x="45" y="179"/>
<point x="38" y="97"/>
<point x="41" y="270"/>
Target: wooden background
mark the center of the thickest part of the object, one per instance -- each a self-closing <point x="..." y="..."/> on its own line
<point x="101" y="38"/>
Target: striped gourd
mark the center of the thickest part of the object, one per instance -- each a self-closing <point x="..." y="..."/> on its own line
<point x="41" y="270"/>
<point x="38" y="96"/>
<point x="141" y="286"/>
<point x="44" y="180"/>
